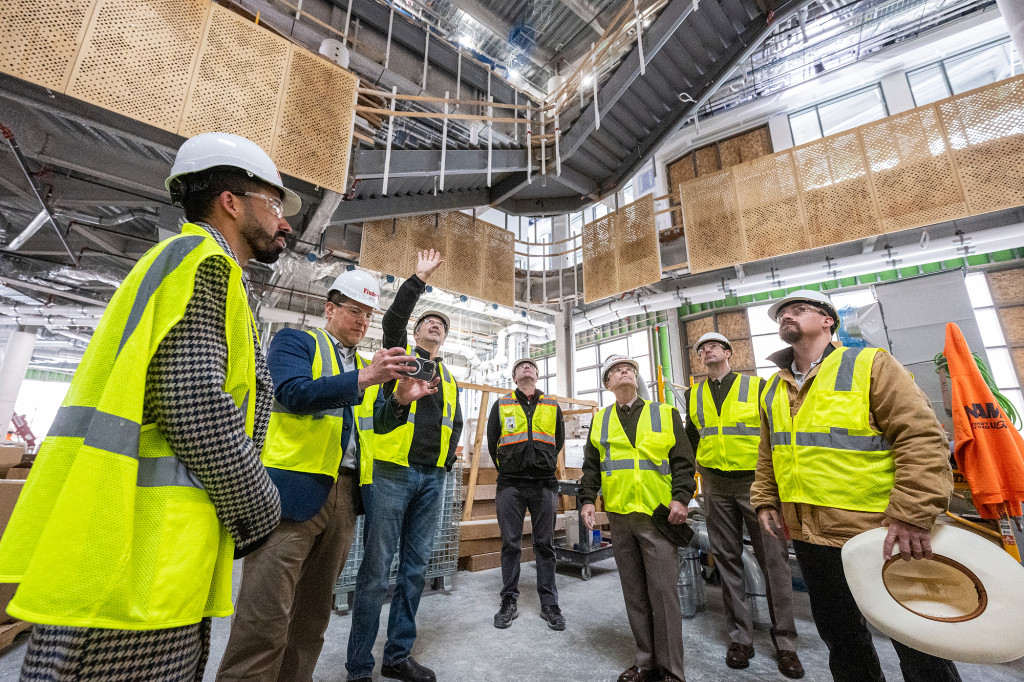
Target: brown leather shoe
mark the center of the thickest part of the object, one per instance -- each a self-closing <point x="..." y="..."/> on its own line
<point x="789" y="664"/>
<point x="739" y="655"/>
<point x="636" y="674"/>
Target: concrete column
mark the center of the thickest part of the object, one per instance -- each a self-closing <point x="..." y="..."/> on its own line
<point x="559" y="231"/>
<point x="565" y="357"/>
<point x="896" y="89"/>
<point x="12" y="371"/>
<point x="781" y="133"/>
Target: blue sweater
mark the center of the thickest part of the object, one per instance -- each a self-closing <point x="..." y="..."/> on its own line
<point x="290" y="359"/>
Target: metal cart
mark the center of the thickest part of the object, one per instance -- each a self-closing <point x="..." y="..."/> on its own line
<point x="444" y="557"/>
<point x="585" y="553"/>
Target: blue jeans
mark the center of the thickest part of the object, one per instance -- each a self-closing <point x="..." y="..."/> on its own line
<point x="401" y="516"/>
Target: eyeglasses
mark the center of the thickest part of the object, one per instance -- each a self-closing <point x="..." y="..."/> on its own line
<point x="275" y="205"/>
<point x="708" y="346"/>
<point x="799" y="309"/>
<point x="354" y="311"/>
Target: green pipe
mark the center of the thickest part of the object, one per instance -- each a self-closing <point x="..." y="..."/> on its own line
<point x="666" y="362"/>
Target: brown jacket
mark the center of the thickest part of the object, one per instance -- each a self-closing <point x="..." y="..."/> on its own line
<point x="920" y="450"/>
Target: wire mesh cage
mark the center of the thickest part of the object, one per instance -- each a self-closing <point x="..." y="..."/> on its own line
<point x="444" y="556"/>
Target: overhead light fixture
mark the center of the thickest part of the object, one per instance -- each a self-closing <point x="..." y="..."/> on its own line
<point x="587" y="80"/>
<point x="514" y="75"/>
<point x="467" y="42"/>
<point x="819" y="67"/>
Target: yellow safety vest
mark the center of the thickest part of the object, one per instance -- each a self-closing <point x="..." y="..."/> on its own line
<point x="312" y="442"/>
<point x="112" y="530"/>
<point x="728" y="441"/>
<point x="635" y="478"/>
<point x="828" y="455"/>
<point x="394" y="446"/>
<point x="516" y="429"/>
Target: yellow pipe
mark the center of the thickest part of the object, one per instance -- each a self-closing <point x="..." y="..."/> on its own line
<point x="975" y="526"/>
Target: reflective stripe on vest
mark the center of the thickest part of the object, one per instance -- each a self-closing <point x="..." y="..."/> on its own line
<point x="110" y="514"/>
<point x="541" y="426"/>
<point x="636" y="478"/>
<point x="828" y="454"/>
<point x="394" y="446"/>
<point x="728" y="441"/>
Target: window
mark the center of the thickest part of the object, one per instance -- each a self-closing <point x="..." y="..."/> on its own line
<point x="1000" y="364"/>
<point x="837" y="115"/>
<point x="588" y="360"/>
<point x="965" y="71"/>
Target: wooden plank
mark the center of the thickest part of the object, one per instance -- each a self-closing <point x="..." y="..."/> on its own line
<point x="478" y="444"/>
<point x="11" y="630"/>
<point x="487" y="545"/>
<point x="483" y="492"/>
<point x="484" y="509"/>
<point x="488" y="528"/>
<point x="483" y="562"/>
<point x="485" y="476"/>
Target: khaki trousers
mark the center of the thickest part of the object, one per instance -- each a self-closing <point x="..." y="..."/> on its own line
<point x="648" y="566"/>
<point x="728" y="509"/>
<point x="285" y="599"/>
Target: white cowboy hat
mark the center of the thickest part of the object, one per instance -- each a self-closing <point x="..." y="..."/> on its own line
<point x="963" y="605"/>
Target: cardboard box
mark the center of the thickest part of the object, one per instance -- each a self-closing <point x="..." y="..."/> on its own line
<point x="10" y="456"/>
<point x="6" y="595"/>
<point x="18" y="473"/>
<point x="9" y="491"/>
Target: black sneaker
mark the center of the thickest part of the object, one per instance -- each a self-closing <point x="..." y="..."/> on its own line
<point x="508" y="613"/>
<point x="553" y="615"/>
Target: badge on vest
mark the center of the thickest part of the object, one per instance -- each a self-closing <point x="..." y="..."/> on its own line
<point x="510" y="423"/>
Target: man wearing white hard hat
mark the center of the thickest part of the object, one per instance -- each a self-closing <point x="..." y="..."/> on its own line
<point x="318" y="451"/>
<point x="848" y="443"/>
<point x="525" y="433"/>
<point x="639" y="459"/>
<point x="149" y="482"/>
<point x="417" y="424"/>
<point x="724" y="429"/>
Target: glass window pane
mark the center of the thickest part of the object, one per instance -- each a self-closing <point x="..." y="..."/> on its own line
<point x="977" y="290"/>
<point x="854" y="298"/>
<point x="760" y="323"/>
<point x="765" y="346"/>
<point x="988" y="324"/>
<point x="1001" y="367"/>
<point x="586" y="357"/>
<point x="980" y="67"/>
<point x="1017" y="399"/>
<point x="646" y="373"/>
<point x="586" y="380"/>
<point x="928" y="85"/>
<point x="617" y="347"/>
<point x="805" y="126"/>
<point x="850" y="112"/>
<point x="638" y="344"/>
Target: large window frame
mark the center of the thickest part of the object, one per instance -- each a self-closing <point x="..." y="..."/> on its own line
<point x="816" y="108"/>
<point x="943" y="70"/>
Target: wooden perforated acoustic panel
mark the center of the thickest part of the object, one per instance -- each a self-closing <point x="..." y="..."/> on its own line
<point x="985" y="132"/>
<point x="746" y="147"/>
<point x="912" y="171"/>
<point x="383" y="248"/>
<point x="770" y="207"/>
<point x="637" y="248"/>
<point x="463" y="252"/>
<point x="600" y="266"/>
<point x="239" y="80"/>
<point x="426" y="232"/>
<point x="314" y="130"/>
<point x="497" y="265"/>
<point x="839" y="203"/>
<point x="137" y="58"/>
<point x="40" y="40"/>
<point x="714" y="236"/>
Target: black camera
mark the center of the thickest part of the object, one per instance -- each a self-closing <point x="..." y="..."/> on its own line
<point x="425" y="369"/>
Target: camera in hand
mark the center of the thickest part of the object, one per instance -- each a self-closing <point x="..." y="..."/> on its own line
<point x="424" y="369"/>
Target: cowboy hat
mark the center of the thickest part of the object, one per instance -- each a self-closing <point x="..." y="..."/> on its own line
<point x="964" y="604"/>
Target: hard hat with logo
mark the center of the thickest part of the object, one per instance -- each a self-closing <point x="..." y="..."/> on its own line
<point x="617" y="360"/>
<point x="209" y="150"/>
<point x="433" y="313"/>
<point x="712" y="336"/>
<point x="360" y="286"/>
<point x="515" y="365"/>
<point x="815" y="298"/>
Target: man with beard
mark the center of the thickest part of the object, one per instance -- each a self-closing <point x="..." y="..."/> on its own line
<point x="319" y="439"/>
<point x="848" y="443"/>
<point x="149" y="482"/>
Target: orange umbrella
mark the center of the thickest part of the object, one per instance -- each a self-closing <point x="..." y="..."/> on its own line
<point x="989" y="451"/>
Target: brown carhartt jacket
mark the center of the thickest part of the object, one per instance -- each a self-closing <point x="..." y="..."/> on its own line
<point x="901" y="411"/>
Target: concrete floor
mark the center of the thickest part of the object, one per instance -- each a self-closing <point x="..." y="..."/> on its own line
<point x="457" y="638"/>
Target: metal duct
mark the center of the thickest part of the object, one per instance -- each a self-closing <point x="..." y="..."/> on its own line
<point x="108" y="221"/>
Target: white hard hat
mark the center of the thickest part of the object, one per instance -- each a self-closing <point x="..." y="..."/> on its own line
<point x="521" y="361"/>
<point x="360" y="286"/>
<point x="712" y="336"/>
<point x="617" y="360"/>
<point x="433" y="313"/>
<point x="208" y="150"/>
<point x="815" y="298"/>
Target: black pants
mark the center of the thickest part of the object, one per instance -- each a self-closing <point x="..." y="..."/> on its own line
<point x="511" y="503"/>
<point x="842" y="627"/>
